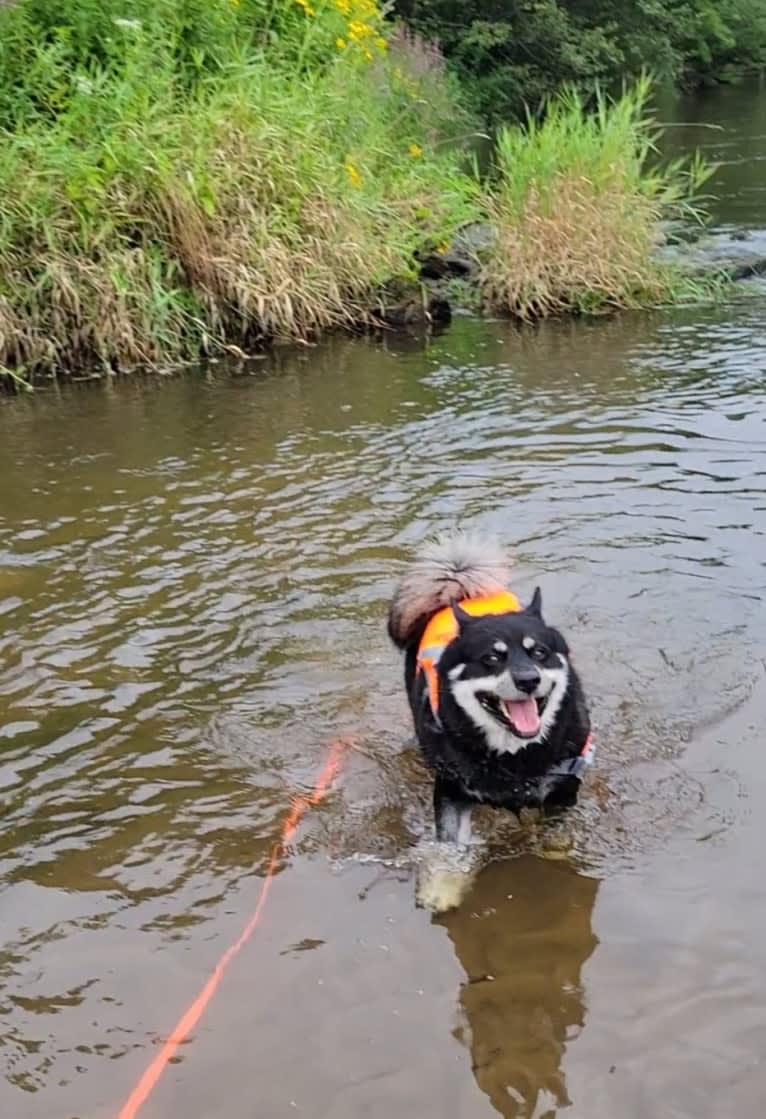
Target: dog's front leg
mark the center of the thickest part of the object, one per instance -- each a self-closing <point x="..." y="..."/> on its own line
<point x="447" y="868"/>
<point x="452" y="813"/>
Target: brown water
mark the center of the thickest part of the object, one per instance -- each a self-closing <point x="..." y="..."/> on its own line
<point x="193" y="581"/>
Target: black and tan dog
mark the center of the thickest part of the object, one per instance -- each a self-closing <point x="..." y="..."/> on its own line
<point x="499" y="710"/>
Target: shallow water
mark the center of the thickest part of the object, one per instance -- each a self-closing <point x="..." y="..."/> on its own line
<point x="194" y="575"/>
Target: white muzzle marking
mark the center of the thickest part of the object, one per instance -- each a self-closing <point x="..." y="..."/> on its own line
<point x="499" y="737"/>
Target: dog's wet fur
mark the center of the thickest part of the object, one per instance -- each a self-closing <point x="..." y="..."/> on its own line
<point x="511" y="707"/>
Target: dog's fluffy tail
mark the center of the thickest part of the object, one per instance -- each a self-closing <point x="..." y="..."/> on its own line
<point x="444" y="572"/>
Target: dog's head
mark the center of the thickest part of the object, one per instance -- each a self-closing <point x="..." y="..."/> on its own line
<point x="508" y="673"/>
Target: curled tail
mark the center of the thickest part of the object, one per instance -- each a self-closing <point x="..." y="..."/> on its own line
<point x="444" y="572"/>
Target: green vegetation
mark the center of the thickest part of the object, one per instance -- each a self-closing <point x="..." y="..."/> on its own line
<point x="171" y="185"/>
<point x="515" y="53"/>
<point x="577" y="208"/>
<point x="182" y="177"/>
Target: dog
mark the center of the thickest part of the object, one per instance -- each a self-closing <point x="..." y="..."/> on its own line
<point x="500" y="713"/>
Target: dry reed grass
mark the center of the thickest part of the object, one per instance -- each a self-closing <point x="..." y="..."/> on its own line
<point x="576" y="248"/>
<point x="576" y="205"/>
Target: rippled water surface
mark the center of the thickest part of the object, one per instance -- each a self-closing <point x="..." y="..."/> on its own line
<point x="194" y="575"/>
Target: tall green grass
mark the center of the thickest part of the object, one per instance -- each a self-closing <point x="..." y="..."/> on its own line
<point x="150" y="211"/>
<point x="577" y="202"/>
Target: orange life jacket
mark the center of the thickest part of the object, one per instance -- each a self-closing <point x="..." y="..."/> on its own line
<point x="443" y="628"/>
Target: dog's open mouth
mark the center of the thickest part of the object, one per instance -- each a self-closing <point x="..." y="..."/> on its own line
<point x="522" y="716"/>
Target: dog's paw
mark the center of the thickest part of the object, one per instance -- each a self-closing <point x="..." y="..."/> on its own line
<point x="556" y="844"/>
<point x="445" y="874"/>
<point x="440" y="890"/>
<point x="530" y="818"/>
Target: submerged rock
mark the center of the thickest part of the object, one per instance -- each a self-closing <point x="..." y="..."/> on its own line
<point x="402" y="303"/>
<point x="732" y="253"/>
<point x="678" y="233"/>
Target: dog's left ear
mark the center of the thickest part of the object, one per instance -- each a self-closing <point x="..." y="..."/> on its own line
<point x="535" y="607"/>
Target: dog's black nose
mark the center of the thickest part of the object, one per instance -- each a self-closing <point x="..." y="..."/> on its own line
<point x="526" y="681"/>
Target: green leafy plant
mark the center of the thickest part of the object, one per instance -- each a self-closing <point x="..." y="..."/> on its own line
<point x="577" y="202"/>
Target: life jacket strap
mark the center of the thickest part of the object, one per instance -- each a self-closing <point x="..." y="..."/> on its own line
<point x="428" y="659"/>
<point x="575" y="767"/>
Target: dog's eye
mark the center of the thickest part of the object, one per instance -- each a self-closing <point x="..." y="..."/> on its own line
<point x="539" y="653"/>
<point x="490" y="659"/>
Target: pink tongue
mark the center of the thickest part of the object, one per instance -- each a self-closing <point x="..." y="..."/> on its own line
<point x="523" y="714"/>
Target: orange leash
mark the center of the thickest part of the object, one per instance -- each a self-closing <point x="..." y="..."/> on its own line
<point x="192" y="1015"/>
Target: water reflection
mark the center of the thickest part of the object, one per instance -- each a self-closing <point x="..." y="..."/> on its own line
<point x="523" y="936"/>
<point x="728" y="125"/>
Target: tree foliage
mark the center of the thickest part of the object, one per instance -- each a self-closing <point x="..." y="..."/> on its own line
<point x="516" y="52"/>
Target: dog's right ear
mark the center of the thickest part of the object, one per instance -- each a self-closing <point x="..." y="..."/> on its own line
<point x="462" y="617"/>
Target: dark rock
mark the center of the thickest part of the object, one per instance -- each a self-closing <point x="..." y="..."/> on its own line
<point x="722" y="252"/>
<point x="474" y="239"/>
<point x="439" y="309"/>
<point x="462" y="260"/>
<point x="440" y="266"/>
<point x="403" y="304"/>
<point x="679" y="233"/>
<point x="746" y="270"/>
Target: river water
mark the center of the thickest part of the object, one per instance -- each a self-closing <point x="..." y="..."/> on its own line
<point x="194" y="574"/>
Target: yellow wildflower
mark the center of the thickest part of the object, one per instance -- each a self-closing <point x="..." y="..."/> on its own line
<point x="340" y="43"/>
<point x="353" y="174"/>
<point x="343" y="6"/>
<point x="368" y="55"/>
<point x="381" y="43"/>
<point x="415" y="151"/>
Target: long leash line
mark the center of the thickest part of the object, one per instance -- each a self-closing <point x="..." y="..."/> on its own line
<point x="192" y="1015"/>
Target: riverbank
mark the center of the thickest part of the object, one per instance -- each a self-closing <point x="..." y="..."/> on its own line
<point x="173" y="187"/>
